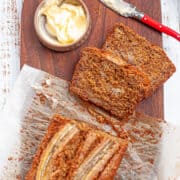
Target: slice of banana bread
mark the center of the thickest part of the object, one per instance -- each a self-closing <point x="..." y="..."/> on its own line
<point x="109" y="82"/>
<point x="73" y="150"/>
<point x="138" y="51"/>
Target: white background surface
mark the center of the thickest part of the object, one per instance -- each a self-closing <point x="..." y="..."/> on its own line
<point x="10" y="14"/>
<point x="171" y="17"/>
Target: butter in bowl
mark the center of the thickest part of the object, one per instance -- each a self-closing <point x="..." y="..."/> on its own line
<point x="62" y="25"/>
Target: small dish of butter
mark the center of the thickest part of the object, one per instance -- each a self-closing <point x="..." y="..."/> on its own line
<point x="62" y="25"/>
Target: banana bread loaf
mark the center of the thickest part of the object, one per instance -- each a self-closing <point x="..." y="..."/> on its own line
<point x="73" y="150"/>
<point x="109" y="82"/>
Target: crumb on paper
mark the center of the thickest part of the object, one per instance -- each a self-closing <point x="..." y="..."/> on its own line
<point x="10" y="158"/>
<point x="18" y="177"/>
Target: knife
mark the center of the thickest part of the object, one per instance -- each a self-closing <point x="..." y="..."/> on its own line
<point x="128" y="10"/>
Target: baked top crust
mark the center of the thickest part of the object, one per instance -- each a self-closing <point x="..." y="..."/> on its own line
<point x="76" y="150"/>
<point x="138" y="51"/>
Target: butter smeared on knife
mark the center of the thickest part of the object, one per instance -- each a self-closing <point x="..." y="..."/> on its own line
<point x="123" y="8"/>
<point x="128" y="10"/>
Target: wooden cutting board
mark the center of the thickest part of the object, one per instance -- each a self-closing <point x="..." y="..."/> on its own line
<point x="62" y="64"/>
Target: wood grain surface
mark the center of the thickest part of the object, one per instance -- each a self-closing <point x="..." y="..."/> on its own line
<point x="103" y="19"/>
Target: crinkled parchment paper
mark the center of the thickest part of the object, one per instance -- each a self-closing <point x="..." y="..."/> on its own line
<point x="153" y="144"/>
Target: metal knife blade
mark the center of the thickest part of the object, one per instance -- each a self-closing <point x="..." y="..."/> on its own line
<point x="123" y="8"/>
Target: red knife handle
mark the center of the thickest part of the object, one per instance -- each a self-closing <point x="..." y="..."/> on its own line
<point x="156" y="25"/>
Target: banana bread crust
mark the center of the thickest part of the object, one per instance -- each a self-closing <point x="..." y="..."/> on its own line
<point x="110" y="163"/>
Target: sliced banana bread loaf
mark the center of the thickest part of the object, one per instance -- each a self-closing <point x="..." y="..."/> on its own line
<point x="109" y="82"/>
<point x="138" y="51"/>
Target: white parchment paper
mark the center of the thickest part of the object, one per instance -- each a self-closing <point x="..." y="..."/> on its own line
<point x="153" y="151"/>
